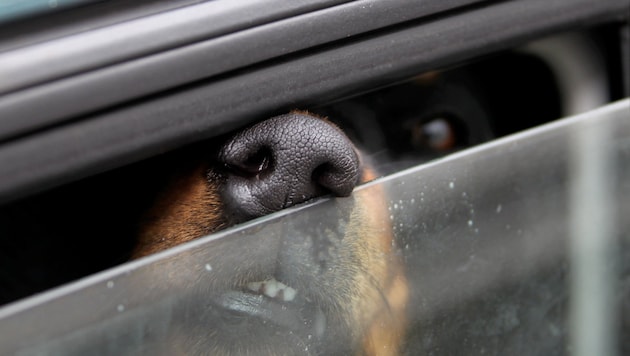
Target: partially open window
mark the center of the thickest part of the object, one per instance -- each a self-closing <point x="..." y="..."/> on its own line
<point x="460" y="245"/>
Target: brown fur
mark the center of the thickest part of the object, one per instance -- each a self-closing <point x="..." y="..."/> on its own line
<point x="187" y="209"/>
<point x="385" y="318"/>
<point x="190" y="207"/>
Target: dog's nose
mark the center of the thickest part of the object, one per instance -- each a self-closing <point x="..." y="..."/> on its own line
<point x="284" y="161"/>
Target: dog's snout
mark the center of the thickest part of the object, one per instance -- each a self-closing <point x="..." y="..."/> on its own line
<point x="286" y="160"/>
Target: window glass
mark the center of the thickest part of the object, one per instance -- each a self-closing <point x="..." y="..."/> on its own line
<point x="470" y="254"/>
<point x="15" y="9"/>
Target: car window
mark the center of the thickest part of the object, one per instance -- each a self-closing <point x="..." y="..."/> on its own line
<point x="490" y="142"/>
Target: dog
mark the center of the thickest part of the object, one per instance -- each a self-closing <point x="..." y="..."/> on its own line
<point x="356" y="282"/>
<point x="275" y="164"/>
<point x="363" y="292"/>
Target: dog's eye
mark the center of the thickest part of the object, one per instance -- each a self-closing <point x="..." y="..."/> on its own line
<point x="437" y="134"/>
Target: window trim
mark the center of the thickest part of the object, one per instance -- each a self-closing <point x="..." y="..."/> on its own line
<point x="127" y="133"/>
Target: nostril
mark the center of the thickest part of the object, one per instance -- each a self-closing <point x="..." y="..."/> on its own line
<point x="321" y="174"/>
<point x="253" y="164"/>
<point x="338" y="178"/>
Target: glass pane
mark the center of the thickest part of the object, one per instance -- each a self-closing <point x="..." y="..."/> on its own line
<point x="14" y="9"/>
<point x="465" y="255"/>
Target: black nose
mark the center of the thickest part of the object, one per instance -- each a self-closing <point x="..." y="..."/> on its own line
<point x="284" y="161"/>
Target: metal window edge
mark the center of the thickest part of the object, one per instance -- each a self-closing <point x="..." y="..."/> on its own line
<point x="60" y="100"/>
<point x="42" y="62"/>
